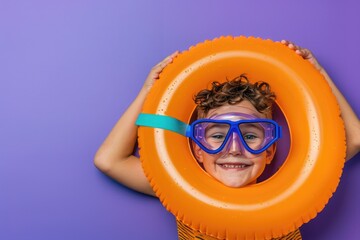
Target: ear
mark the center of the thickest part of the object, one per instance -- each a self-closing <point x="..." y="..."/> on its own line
<point x="270" y="152"/>
<point x="198" y="152"/>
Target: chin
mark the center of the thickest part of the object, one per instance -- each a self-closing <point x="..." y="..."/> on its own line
<point x="237" y="184"/>
<point x="234" y="184"/>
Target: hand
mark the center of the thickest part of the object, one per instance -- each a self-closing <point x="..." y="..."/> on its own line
<point x="351" y="121"/>
<point x="157" y="69"/>
<point x="304" y="53"/>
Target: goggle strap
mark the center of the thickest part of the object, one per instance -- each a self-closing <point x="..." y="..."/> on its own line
<point x="162" y="122"/>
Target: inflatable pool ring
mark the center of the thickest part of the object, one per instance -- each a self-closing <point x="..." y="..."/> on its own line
<point x="296" y="192"/>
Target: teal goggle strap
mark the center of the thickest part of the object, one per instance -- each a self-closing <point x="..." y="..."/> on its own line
<point x="163" y="122"/>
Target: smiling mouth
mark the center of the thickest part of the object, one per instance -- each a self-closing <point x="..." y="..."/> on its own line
<point x="234" y="165"/>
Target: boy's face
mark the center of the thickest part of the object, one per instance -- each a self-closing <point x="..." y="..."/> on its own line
<point x="236" y="167"/>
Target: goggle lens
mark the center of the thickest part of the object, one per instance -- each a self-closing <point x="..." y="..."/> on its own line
<point x="214" y="134"/>
<point x="257" y="135"/>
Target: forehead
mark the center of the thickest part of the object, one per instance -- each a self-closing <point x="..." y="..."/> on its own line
<point x="242" y="107"/>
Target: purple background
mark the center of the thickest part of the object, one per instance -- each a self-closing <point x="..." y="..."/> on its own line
<point x="68" y="69"/>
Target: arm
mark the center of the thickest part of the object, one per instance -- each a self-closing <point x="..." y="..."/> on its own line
<point x="351" y="121"/>
<point x="115" y="156"/>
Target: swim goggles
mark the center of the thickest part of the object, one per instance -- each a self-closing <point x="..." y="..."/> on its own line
<point x="214" y="134"/>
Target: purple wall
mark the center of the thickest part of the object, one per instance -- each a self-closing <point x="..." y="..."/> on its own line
<point x="68" y="69"/>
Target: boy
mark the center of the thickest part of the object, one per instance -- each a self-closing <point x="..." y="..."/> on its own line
<point x="240" y="161"/>
<point x="235" y="165"/>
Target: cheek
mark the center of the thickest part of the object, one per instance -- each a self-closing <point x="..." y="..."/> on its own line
<point x="261" y="163"/>
<point x="208" y="160"/>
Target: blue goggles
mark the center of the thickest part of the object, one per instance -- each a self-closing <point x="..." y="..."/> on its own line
<point x="213" y="134"/>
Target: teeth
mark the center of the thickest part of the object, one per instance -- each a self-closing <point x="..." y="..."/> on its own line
<point x="234" y="165"/>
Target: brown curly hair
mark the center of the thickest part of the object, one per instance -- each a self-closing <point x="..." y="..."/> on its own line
<point x="234" y="91"/>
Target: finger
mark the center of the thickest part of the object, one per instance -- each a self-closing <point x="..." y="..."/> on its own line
<point x="161" y="64"/>
<point x="305" y="53"/>
<point x="293" y="46"/>
<point x="301" y="53"/>
<point x="285" y="42"/>
<point x="171" y="57"/>
<point x="174" y="54"/>
<point x="289" y="44"/>
<point x="158" y="68"/>
<point x="167" y="60"/>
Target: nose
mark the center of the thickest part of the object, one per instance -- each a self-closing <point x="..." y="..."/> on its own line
<point x="234" y="145"/>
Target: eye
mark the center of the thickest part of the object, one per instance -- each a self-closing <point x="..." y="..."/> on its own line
<point x="250" y="137"/>
<point x="216" y="137"/>
<point x="216" y="133"/>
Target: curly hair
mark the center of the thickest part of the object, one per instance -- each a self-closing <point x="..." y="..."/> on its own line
<point x="234" y="91"/>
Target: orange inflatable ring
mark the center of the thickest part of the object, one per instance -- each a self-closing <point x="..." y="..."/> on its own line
<point x="296" y="192"/>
